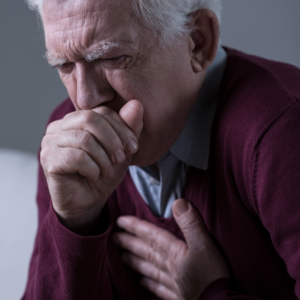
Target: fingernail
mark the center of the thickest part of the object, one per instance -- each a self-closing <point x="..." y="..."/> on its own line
<point x="131" y="146"/>
<point x="111" y="172"/>
<point x="180" y="207"/>
<point x="119" y="157"/>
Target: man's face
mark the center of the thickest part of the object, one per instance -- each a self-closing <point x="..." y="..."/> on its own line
<point x="108" y="58"/>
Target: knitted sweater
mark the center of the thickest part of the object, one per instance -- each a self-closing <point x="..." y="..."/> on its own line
<point x="249" y="198"/>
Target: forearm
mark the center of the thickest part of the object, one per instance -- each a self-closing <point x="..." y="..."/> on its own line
<point x="66" y="265"/>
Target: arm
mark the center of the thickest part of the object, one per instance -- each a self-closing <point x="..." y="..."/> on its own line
<point x="68" y="261"/>
<point x="275" y="195"/>
<point x="65" y="265"/>
<point x="276" y="188"/>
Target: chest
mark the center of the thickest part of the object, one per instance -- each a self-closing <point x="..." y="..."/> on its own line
<point x="236" y="230"/>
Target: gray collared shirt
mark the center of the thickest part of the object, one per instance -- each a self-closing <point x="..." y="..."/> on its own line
<point x="190" y="149"/>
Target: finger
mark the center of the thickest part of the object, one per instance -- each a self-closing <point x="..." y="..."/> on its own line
<point x="98" y="126"/>
<point x="85" y="141"/>
<point x="190" y="223"/>
<point x="139" y="248"/>
<point x="132" y="114"/>
<point x="159" y="239"/>
<point x="147" y="269"/>
<point x="69" y="161"/>
<point x="158" y="289"/>
<point x="126" y="135"/>
<point x="53" y="127"/>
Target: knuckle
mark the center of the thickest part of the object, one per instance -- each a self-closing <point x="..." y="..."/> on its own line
<point x="70" y="114"/>
<point x="46" y="158"/>
<point x="43" y="156"/>
<point x="51" y="127"/>
<point x="115" y="140"/>
<point x="85" y="138"/>
<point x="79" y="156"/>
<point x="149" y="255"/>
<point x="155" y="274"/>
<point x="71" y="156"/>
<point x="152" y="237"/>
<point x="89" y="117"/>
<point x="104" y="110"/>
<point x="47" y="139"/>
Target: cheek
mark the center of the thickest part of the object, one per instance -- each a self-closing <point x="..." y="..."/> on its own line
<point x="125" y="84"/>
<point x="131" y="84"/>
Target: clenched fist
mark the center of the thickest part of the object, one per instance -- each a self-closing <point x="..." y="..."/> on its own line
<point x="85" y="156"/>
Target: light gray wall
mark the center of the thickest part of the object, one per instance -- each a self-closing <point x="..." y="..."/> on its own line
<point x="29" y="89"/>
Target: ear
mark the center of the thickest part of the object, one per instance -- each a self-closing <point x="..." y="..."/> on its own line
<point x="203" y="39"/>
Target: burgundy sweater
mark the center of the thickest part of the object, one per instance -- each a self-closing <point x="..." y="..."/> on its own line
<point x="249" y="198"/>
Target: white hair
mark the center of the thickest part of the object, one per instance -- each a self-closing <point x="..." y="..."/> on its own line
<point x="168" y="18"/>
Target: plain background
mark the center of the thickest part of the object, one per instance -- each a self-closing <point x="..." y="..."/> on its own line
<point x="30" y="89"/>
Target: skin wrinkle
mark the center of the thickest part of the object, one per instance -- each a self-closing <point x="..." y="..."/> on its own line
<point x="140" y="69"/>
<point x="54" y="59"/>
<point x="155" y="96"/>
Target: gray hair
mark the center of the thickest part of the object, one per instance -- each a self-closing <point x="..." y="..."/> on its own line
<point x="168" y="18"/>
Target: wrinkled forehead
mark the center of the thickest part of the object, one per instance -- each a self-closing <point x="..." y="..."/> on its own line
<point x="56" y="9"/>
<point x="84" y="22"/>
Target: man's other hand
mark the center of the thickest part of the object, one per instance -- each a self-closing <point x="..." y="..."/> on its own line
<point x="172" y="269"/>
<point x="85" y="156"/>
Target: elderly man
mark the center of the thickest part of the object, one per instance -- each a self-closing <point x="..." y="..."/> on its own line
<point x="172" y="172"/>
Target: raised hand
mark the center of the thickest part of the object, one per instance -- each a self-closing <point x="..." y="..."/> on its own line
<point x="85" y="156"/>
<point x="172" y="269"/>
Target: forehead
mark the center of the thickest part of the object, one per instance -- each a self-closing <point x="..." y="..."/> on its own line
<point x="79" y="25"/>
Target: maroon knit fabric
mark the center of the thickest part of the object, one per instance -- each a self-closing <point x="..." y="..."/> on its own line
<point x="249" y="198"/>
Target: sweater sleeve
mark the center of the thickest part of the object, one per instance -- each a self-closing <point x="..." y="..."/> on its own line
<point x="65" y="265"/>
<point x="224" y="289"/>
<point x="276" y="188"/>
<point x="276" y="198"/>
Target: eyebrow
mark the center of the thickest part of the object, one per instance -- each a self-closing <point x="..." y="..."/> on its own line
<point x="55" y="59"/>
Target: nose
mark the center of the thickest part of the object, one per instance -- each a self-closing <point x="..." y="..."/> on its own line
<point x="93" y="88"/>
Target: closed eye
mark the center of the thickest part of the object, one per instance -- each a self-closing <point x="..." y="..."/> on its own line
<point x="114" y="59"/>
<point x="65" y="68"/>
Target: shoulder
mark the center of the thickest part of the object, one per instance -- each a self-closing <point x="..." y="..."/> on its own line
<point x="255" y="93"/>
<point x="258" y="114"/>
<point x="61" y="110"/>
<point x="262" y="74"/>
<point x="255" y="87"/>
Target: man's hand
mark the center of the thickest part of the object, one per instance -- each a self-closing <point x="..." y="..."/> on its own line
<point x="85" y="156"/>
<point x="172" y="268"/>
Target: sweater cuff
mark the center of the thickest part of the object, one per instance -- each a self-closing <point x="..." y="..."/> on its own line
<point x="63" y="235"/>
<point x="219" y="285"/>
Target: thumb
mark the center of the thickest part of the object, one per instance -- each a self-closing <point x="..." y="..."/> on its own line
<point x="190" y="223"/>
<point x="132" y="114"/>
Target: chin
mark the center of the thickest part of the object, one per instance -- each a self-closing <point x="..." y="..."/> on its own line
<point x="140" y="160"/>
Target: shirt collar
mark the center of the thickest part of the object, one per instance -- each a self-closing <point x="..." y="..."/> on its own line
<point x="193" y="144"/>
